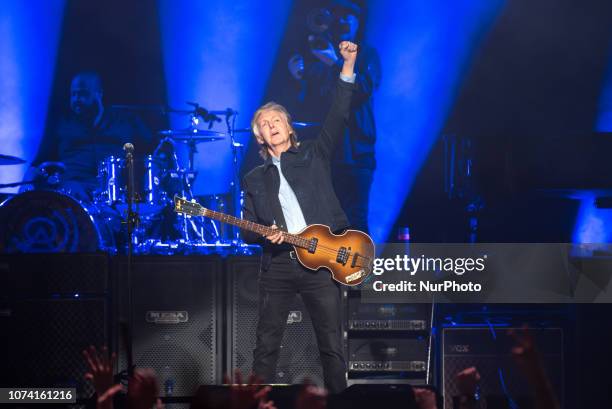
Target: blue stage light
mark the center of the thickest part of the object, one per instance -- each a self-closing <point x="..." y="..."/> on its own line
<point x="592" y="224"/>
<point x="220" y="54"/>
<point x="604" y="117"/>
<point x="29" y="35"/>
<point x="425" y="49"/>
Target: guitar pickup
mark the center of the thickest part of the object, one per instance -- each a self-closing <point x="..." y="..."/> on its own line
<point x="312" y="246"/>
<point x="343" y="255"/>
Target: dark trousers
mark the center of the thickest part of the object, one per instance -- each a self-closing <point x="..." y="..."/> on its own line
<point x="278" y="286"/>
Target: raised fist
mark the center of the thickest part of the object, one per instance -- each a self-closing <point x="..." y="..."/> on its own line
<point x="348" y="51"/>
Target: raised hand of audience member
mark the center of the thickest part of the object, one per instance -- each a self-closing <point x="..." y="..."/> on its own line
<point x="425" y="398"/>
<point x="143" y="390"/>
<point x="247" y="396"/>
<point x="311" y="397"/>
<point x="468" y="381"/>
<point x="101" y="375"/>
<point x="529" y="361"/>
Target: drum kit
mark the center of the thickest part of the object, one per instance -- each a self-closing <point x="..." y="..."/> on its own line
<point x="51" y="218"/>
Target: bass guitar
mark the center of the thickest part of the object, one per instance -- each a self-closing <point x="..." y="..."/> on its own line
<point x="348" y="256"/>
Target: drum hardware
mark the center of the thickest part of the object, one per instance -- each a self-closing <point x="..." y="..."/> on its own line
<point x="10" y="160"/>
<point x="235" y="184"/>
<point x="151" y="197"/>
<point x="195" y="230"/>
<point x="6" y="160"/>
<point x="51" y="173"/>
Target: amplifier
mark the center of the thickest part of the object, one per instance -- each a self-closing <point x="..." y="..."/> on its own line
<point x="388" y="354"/>
<point x="489" y="350"/>
<point x="388" y="366"/>
<point x="388" y="325"/>
<point x="387" y="317"/>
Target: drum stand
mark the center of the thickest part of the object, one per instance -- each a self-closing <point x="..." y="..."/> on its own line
<point x="187" y="178"/>
<point x="194" y="231"/>
<point x="235" y="184"/>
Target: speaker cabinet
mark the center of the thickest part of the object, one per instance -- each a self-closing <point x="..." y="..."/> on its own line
<point x="489" y="350"/>
<point x="52" y="306"/>
<point x="176" y="319"/>
<point x="299" y="356"/>
<point x="385" y="354"/>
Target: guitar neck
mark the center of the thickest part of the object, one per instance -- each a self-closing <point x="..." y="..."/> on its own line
<point x="254" y="227"/>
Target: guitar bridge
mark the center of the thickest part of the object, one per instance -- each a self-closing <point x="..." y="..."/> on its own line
<point x="312" y="246"/>
<point x="354" y="259"/>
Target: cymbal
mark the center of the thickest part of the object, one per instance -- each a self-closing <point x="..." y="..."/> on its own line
<point x="192" y="135"/>
<point x="10" y="160"/>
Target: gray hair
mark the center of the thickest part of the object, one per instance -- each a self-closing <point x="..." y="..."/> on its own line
<point x="273" y="106"/>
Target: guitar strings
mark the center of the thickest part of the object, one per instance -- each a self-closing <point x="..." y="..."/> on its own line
<point x="328" y="250"/>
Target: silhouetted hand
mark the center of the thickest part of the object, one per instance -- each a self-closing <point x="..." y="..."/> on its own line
<point x="247" y="396"/>
<point x="525" y="353"/>
<point x="529" y="361"/>
<point x="101" y="375"/>
<point x="425" y="398"/>
<point x="143" y="390"/>
<point x="311" y="397"/>
<point x="467" y="381"/>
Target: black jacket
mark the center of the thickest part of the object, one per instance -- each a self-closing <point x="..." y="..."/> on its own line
<point x="307" y="170"/>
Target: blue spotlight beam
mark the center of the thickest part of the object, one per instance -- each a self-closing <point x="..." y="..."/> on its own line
<point x="604" y="117"/>
<point x="425" y="48"/>
<point x="592" y="224"/>
<point x="220" y="54"/>
<point x="29" y="36"/>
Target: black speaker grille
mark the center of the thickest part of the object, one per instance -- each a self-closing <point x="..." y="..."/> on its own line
<point x="491" y="355"/>
<point x="45" y="339"/>
<point x="44" y="274"/>
<point x="175" y="312"/>
<point x="299" y="356"/>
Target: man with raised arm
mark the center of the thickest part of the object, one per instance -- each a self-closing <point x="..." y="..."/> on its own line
<point x="293" y="189"/>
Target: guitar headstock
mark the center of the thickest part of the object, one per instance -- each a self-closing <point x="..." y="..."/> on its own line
<point x="182" y="205"/>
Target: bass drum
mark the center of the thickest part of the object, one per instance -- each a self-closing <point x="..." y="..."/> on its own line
<point x="42" y="221"/>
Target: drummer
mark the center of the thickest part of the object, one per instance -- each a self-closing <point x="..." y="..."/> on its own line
<point x="88" y="134"/>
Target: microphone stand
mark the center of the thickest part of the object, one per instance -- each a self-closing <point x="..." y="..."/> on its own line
<point x="131" y="221"/>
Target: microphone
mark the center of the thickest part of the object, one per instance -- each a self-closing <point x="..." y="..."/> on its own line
<point x="230" y="112"/>
<point x="206" y="115"/>
<point x="128" y="148"/>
